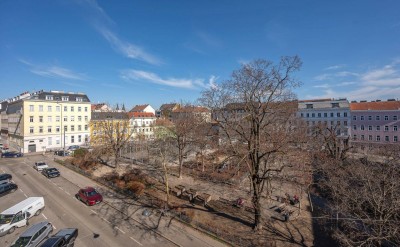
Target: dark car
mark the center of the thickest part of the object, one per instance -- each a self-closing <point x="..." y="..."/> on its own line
<point x="62" y="153"/>
<point x="63" y="238"/>
<point x="7" y="188"/>
<point x="11" y="155"/>
<point x="5" y="178"/>
<point x="73" y="147"/>
<point x="51" y="172"/>
<point x="89" y="196"/>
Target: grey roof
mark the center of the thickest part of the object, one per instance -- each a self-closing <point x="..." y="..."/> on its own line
<point x="34" y="229"/>
<point x="109" y="115"/>
<point x="57" y="95"/>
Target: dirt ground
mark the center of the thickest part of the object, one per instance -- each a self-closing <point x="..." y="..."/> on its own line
<point x="229" y="222"/>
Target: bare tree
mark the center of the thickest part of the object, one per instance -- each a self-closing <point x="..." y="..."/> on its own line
<point x="255" y="111"/>
<point x="111" y="132"/>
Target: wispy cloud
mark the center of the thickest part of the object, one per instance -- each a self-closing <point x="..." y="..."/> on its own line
<point x="101" y="21"/>
<point x="335" y="67"/>
<point x="54" y="71"/>
<point x="376" y="83"/>
<point x="208" y="39"/>
<point x="322" y="77"/>
<point x="132" y="74"/>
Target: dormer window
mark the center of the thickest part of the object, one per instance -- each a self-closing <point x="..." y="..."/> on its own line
<point x="64" y="98"/>
<point x="79" y="99"/>
<point x="49" y="97"/>
<point x="335" y="105"/>
<point x="309" y="106"/>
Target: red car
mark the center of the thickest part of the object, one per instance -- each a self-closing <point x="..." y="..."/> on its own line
<point x="89" y="196"/>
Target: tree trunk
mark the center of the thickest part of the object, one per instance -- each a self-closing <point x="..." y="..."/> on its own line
<point x="257" y="206"/>
<point x="166" y="181"/>
<point x="116" y="159"/>
<point x="180" y="158"/>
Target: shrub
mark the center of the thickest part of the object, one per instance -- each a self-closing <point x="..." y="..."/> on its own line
<point x="136" y="187"/>
<point x="111" y="176"/>
<point x="80" y="153"/>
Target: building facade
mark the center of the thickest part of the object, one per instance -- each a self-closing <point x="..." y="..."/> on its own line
<point x="332" y="113"/>
<point x="142" y="124"/>
<point x="106" y="125"/>
<point x="143" y="108"/>
<point x="375" y="123"/>
<point x="40" y="121"/>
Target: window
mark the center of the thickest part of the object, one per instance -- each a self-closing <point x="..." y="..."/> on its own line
<point x="362" y="118"/>
<point x="354" y="127"/>
<point x="362" y="137"/>
<point x="79" y="127"/>
<point x="72" y="108"/>
<point x="86" y="118"/>
<point x="331" y="114"/>
<point x="72" y="118"/>
<point x="41" y="119"/>
<point x="386" y="138"/>
<point x="57" y="118"/>
<point x="362" y="127"/>
<point x="49" y="97"/>
<point x="338" y="114"/>
<point x="309" y="106"/>
<point x="40" y="129"/>
<point x="354" y="137"/>
<point x="345" y="123"/>
<point x="370" y="138"/>
<point x="79" y="138"/>
<point x="31" y="130"/>
<point x="58" y="108"/>
<point x="65" y="127"/>
<point x="64" y="98"/>
<point x="57" y="141"/>
<point x="370" y="127"/>
<point x="72" y="139"/>
<point x="86" y="127"/>
<point x="301" y="114"/>
<point x="57" y="129"/>
<point x="395" y="128"/>
<point x="395" y="118"/>
<point x="31" y="119"/>
<point x="49" y="119"/>
<point x="386" y="118"/>
<point x="319" y="115"/>
<point x="313" y="115"/>
<point x="378" y="138"/>
<point x="86" y="138"/>
<point x="49" y="108"/>
<point x="395" y="139"/>
<point x="354" y="117"/>
<point x="72" y="127"/>
<point x="86" y="109"/>
<point x="65" y="119"/>
<point x="345" y="114"/>
<point x="79" y="99"/>
<point x="378" y="128"/>
<point x="49" y="129"/>
<point x="65" y="108"/>
<point x="308" y="114"/>
<point x="79" y="119"/>
<point x="338" y="123"/>
<point x="369" y="118"/>
<point x="325" y="114"/>
<point x="386" y="128"/>
<point x="40" y="108"/>
<point x="31" y="108"/>
<point x="378" y="118"/>
<point x="79" y="109"/>
<point x="335" y="105"/>
<point x="50" y="141"/>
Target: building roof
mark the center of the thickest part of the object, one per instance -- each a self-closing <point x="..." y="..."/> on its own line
<point x="57" y="96"/>
<point x="97" y="106"/>
<point x="168" y="107"/>
<point x="187" y="109"/>
<point x="139" y="108"/>
<point x="375" y="106"/>
<point x="109" y="115"/>
<point x="141" y="115"/>
<point x="314" y="100"/>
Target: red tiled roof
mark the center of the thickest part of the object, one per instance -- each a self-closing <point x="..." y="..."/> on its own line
<point x="138" y="108"/>
<point x="381" y="105"/>
<point x="140" y="114"/>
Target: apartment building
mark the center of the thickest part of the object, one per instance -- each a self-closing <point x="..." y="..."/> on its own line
<point x="142" y="124"/>
<point x="375" y="123"/>
<point x="104" y="125"/>
<point x="333" y="113"/>
<point x="39" y="121"/>
<point x="143" y="108"/>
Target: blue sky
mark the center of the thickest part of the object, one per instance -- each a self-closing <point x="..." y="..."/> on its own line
<point x="156" y="52"/>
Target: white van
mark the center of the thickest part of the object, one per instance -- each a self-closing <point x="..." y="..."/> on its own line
<point x="18" y="215"/>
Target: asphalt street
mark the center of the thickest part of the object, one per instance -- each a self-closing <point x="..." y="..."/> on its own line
<point x="115" y="222"/>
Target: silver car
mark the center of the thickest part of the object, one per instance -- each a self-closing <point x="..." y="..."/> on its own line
<point x="34" y="235"/>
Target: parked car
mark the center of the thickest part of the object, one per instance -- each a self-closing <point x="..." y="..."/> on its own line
<point x="63" y="238"/>
<point x="5" y="178"/>
<point x="7" y="188"/>
<point x="34" y="235"/>
<point x="40" y="165"/>
<point x="11" y="155"/>
<point x="51" y="172"/>
<point x="73" y="147"/>
<point x="89" y="196"/>
<point x="62" y="153"/>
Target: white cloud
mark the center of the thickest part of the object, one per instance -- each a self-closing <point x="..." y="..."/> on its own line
<point x="345" y="74"/>
<point x="335" y="67"/>
<point x="54" y="71"/>
<point x="322" y="77"/>
<point x="322" y="86"/>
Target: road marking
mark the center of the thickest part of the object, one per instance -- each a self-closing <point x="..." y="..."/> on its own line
<point x="21" y="190"/>
<point x="25" y="195"/>
<point x="93" y="211"/>
<point x="44" y="216"/>
<point x="54" y="226"/>
<point x="136" y="241"/>
<point x="120" y="230"/>
<point x="67" y="193"/>
<point x="60" y="188"/>
<point x="2" y="169"/>
<point x="105" y="219"/>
